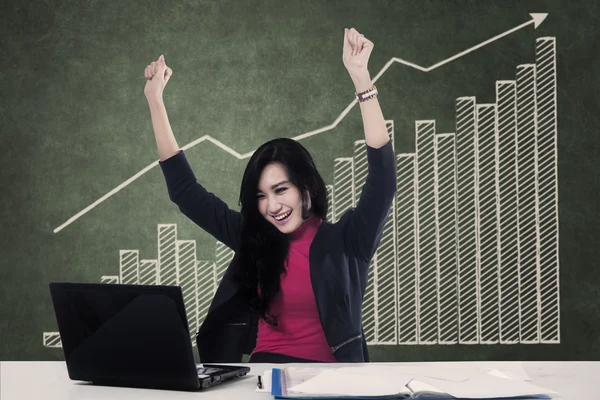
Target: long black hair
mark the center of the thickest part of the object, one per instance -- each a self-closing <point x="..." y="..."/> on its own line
<point x="264" y="248"/>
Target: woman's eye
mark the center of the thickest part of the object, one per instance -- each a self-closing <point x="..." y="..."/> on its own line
<point x="260" y="196"/>
<point x="280" y="190"/>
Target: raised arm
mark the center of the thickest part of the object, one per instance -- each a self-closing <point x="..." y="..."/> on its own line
<point x="157" y="76"/>
<point x="356" y="52"/>
<point x="367" y="220"/>
<point x="204" y="208"/>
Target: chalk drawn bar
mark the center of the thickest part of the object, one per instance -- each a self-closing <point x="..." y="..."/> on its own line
<point x="51" y="339"/>
<point x="129" y="262"/>
<point x="407" y="262"/>
<point x="466" y="189"/>
<point x="507" y="209"/>
<point x="329" y="189"/>
<point x="167" y="255"/>
<point x="548" y="189"/>
<point x="343" y="186"/>
<point x="206" y="289"/>
<point x="527" y="206"/>
<point x="445" y="229"/>
<point x="487" y="213"/>
<point x="426" y="251"/>
<point x="148" y="272"/>
<point x="387" y="311"/>
<point x="188" y="280"/>
<point x="114" y="279"/>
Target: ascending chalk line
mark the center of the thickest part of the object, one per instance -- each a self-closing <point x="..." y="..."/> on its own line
<point x="536" y="19"/>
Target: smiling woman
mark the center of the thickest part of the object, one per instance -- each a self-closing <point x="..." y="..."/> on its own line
<point x="294" y="289"/>
<point x="282" y="194"/>
<point x="285" y="166"/>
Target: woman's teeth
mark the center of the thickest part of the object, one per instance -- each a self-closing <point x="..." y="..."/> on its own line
<point x="283" y="216"/>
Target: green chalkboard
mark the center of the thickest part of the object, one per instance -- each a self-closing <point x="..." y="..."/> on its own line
<point x="84" y="200"/>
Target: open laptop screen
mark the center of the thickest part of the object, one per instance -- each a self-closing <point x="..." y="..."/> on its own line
<point x="124" y="334"/>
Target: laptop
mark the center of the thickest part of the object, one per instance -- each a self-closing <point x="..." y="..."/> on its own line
<point x="131" y="336"/>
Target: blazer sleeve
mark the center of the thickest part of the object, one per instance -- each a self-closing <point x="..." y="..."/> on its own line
<point x="204" y="208"/>
<point x="367" y="220"/>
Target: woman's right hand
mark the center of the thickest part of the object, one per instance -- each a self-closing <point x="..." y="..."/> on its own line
<point x="157" y="74"/>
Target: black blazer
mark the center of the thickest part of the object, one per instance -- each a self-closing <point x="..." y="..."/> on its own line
<point x="339" y="260"/>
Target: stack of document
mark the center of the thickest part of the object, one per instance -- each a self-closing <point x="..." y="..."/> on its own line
<point x="401" y="382"/>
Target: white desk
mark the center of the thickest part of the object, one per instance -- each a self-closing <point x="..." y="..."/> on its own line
<point x="50" y="381"/>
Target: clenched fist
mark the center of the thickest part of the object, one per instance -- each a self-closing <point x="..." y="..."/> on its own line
<point x="356" y="51"/>
<point x="157" y="74"/>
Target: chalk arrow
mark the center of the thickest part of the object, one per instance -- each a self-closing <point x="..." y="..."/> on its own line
<point x="536" y="20"/>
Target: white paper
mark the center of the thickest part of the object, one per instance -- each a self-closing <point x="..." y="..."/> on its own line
<point x="297" y="375"/>
<point x="439" y="372"/>
<point x="487" y="386"/>
<point x="266" y="381"/>
<point x="499" y="374"/>
<point x="516" y="372"/>
<point x="422" y="387"/>
<point x="335" y="383"/>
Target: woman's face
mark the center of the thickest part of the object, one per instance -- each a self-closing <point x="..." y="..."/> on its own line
<point x="279" y="201"/>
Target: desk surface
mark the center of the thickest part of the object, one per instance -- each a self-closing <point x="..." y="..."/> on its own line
<point x="50" y="381"/>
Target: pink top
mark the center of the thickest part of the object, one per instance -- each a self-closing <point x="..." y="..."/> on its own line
<point x="299" y="332"/>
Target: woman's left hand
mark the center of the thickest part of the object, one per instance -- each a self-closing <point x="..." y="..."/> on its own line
<point x="356" y="52"/>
